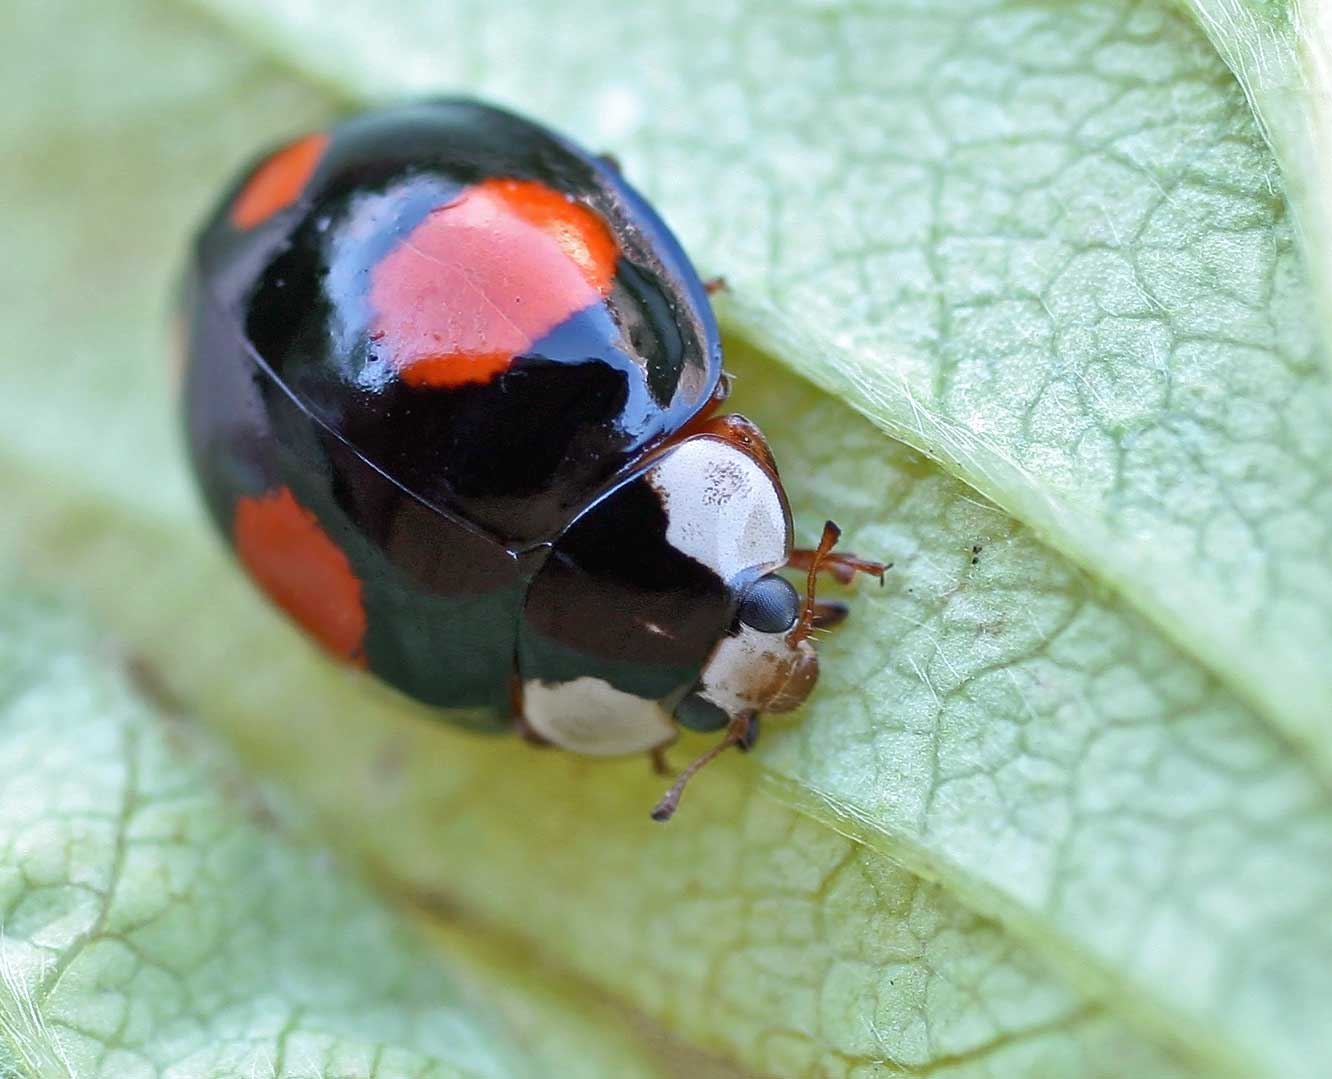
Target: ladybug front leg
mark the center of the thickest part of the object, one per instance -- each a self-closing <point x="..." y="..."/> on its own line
<point x="828" y="613"/>
<point x="742" y="733"/>
<point x="842" y="566"/>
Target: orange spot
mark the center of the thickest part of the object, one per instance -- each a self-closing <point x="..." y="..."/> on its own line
<point x="278" y="182"/>
<point x="483" y="277"/>
<point x="305" y="573"/>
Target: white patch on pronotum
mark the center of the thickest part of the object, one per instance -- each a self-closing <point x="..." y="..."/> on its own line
<point x="590" y="716"/>
<point x="722" y="508"/>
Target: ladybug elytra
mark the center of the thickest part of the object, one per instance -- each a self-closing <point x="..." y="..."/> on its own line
<point x="454" y="398"/>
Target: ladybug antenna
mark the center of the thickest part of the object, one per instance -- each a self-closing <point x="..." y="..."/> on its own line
<point x="831" y="534"/>
<point x="742" y="732"/>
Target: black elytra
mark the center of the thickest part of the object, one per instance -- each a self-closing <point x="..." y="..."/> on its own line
<point x="436" y="356"/>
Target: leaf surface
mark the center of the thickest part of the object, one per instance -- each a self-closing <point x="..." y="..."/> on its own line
<point x="1044" y="245"/>
<point x="162" y="917"/>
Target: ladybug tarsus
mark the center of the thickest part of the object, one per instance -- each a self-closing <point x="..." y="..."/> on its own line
<point x="742" y="734"/>
<point x="841" y="566"/>
<point x="660" y="765"/>
<point x="827" y="541"/>
<point x="829" y="613"/>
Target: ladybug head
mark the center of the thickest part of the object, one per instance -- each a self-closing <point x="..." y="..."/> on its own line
<point x="764" y="664"/>
<point x="725" y="508"/>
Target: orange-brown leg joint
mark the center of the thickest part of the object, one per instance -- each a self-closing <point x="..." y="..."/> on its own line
<point x="742" y="732"/>
<point x="841" y="566"/>
<point x="827" y="541"/>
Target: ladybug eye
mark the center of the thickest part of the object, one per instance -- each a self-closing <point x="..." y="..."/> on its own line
<point x="770" y="605"/>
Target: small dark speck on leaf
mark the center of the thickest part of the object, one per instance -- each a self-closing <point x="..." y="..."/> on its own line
<point x="150" y="684"/>
<point x="240" y="791"/>
<point x="390" y="761"/>
<point x="436" y="903"/>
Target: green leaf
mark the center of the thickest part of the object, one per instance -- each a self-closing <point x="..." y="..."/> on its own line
<point x="1279" y="52"/>
<point x="1000" y="721"/>
<point x="1042" y="243"/>
<point x="162" y="916"/>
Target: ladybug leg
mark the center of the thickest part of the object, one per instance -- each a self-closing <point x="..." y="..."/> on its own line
<point x="611" y="162"/>
<point x="842" y="566"/>
<point x="714" y="285"/>
<point x="749" y="738"/>
<point x="660" y="765"/>
<point x="829" y="613"/>
<point x="742" y="733"/>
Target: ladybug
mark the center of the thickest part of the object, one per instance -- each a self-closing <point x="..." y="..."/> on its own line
<point x="453" y="396"/>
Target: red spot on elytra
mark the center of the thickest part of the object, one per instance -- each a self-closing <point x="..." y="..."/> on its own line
<point x="278" y="182"/>
<point x="305" y="573"/>
<point x="483" y="277"/>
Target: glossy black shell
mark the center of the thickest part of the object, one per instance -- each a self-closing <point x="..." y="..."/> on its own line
<point x="446" y="501"/>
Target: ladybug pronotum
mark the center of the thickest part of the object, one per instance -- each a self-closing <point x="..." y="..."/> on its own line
<point x="454" y="398"/>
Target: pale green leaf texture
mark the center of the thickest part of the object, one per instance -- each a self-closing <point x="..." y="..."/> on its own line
<point x="1043" y="243"/>
<point x="1281" y="52"/>
<point x="157" y="922"/>
<point x="999" y="720"/>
